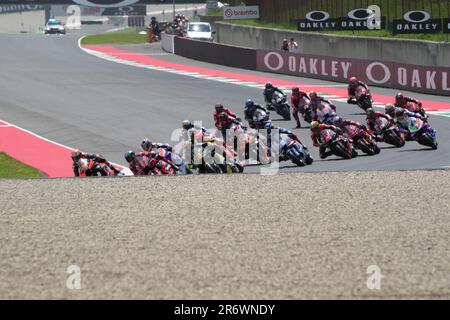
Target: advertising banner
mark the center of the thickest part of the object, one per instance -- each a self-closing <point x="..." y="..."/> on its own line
<point x="241" y="12"/>
<point x="356" y="19"/>
<point x="446" y="25"/>
<point x="416" y="22"/>
<point x="434" y="80"/>
<point x="11" y="8"/>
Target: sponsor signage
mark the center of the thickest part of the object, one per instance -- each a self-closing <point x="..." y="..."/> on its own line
<point x="435" y="80"/>
<point x="10" y="8"/>
<point x="136" y="10"/>
<point x="356" y="19"/>
<point x="99" y="3"/>
<point x="446" y="25"/>
<point x="416" y="21"/>
<point x="241" y="12"/>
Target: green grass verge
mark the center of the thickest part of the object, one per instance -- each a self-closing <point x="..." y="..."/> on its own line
<point x="10" y="168"/>
<point x="126" y="36"/>
<point x="438" y="37"/>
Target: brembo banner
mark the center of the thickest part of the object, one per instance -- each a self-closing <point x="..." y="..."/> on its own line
<point x="434" y="80"/>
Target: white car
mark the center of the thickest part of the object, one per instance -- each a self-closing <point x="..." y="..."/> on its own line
<point x="200" y="31"/>
<point x="54" y="26"/>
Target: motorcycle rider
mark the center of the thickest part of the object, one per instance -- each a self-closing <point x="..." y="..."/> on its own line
<point x="372" y="116"/>
<point x="76" y="155"/>
<point x="403" y="119"/>
<point x="137" y="167"/>
<point x="269" y="90"/>
<point x="353" y="85"/>
<point x="166" y="151"/>
<point x="321" y="108"/>
<point x="390" y="110"/>
<point x="219" y="108"/>
<point x="250" y="109"/>
<point x="402" y="101"/>
<point x="346" y="126"/>
<point x="316" y="130"/>
<point x="299" y="99"/>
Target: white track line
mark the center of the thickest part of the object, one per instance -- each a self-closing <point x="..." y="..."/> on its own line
<point x="111" y="58"/>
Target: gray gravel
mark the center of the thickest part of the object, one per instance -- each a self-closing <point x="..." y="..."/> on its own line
<point x="227" y="237"/>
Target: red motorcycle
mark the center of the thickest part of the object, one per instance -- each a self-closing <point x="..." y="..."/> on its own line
<point x="154" y="166"/>
<point x="362" y="139"/>
<point x="339" y="145"/>
<point x="363" y="98"/>
<point x="389" y="132"/>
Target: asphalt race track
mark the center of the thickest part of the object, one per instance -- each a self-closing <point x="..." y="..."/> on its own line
<point x="287" y="236"/>
<point x="58" y="91"/>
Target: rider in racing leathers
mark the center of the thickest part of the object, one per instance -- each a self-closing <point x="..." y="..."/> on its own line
<point x="316" y="130"/>
<point x="321" y="108"/>
<point x="299" y="99"/>
<point x="353" y="85"/>
<point x="372" y="116"/>
<point x="411" y="104"/>
<point x="135" y="165"/>
<point x="166" y="151"/>
<point x="403" y="119"/>
<point x="250" y="110"/>
<point x="268" y="94"/>
<point x="77" y="155"/>
<point x="219" y="108"/>
<point x="348" y="127"/>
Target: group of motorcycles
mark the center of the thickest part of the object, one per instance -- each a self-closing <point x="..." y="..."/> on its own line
<point x="213" y="155"/>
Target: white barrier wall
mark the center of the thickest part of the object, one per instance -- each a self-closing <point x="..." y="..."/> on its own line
<point x="19" y="22"/>
<point x="167" y="42"/>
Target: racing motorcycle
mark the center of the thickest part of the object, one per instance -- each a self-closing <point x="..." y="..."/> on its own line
<point x="362" y="140"/>
<point x="414" y="107"/>
<point x="280" y="105"/>
<point x="154" y="167"/>
<point x="294" y="151"/>
<point x="389" y="132"/>
<point x="339" y="145"/>
<point x="90" y="167"/>
<point x="363" y="98"/>
<point x="422" y="132"/>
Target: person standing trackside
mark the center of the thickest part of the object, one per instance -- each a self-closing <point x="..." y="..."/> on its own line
<point x="293" y="46"/>
<point x="285" y="45"/>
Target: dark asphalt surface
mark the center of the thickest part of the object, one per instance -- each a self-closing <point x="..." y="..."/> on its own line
<point x="51" y="87"/>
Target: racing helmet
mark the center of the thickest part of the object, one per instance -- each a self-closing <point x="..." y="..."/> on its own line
<point x="75" y="153"/>
<point x="399" y="98"/>
<point x="249" y="103"/>
<point x="313" y="95"/>
<point x="353" y="81"/>
<point x="146" y="145"/>
<point x="219" y="107"/>
<point x="130" y="156"/>
<point x="389" y="109"/>
<point x="186" y="125"/>
<point x="314" y="125"/>
<point x="269" y="85"/>
<point x="370" y="112"/>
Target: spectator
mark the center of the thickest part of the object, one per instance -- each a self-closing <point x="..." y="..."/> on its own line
<point x="285" y="45"/>
<point x="293" y="46"/>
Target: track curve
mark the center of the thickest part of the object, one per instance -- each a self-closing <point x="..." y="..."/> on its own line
<point x="58" y="91"/>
